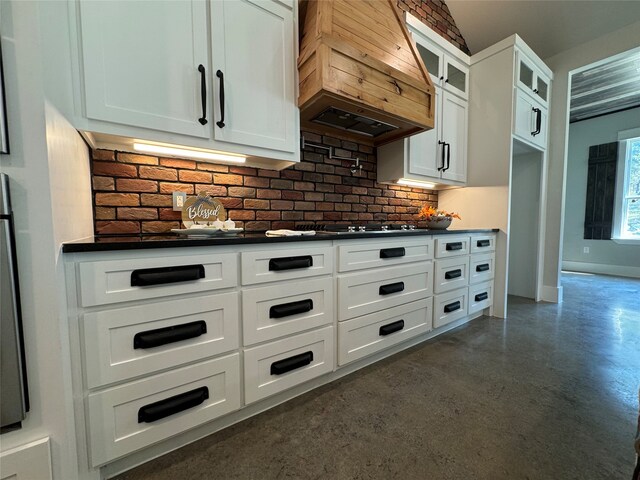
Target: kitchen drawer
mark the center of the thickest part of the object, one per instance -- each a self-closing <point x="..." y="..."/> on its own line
<point x="124" y="343"/>
<point x="279" y="365"/>
<point x="450" y="273"/>
<point x="481" y="267"/>
<point x="371" y="291"/>
<point x="285" y="264"/>
<point x="450" y="306"/>
<point x="286" y="308"/>
<point x="129" y="417"/>
<point x="480" y="296"/>
<point x="451" y="246"/>
<point x="483" y="243"/>
<point x="371" y="333"/>
<point x="357" y="256"/>
<point x="112" y="281"/>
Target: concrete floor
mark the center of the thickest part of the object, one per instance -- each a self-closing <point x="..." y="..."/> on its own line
<point x="551" y="393"/>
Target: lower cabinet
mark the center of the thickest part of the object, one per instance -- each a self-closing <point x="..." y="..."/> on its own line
<point x="450" y="306"/>
<point x="134" y="415"/>
<point x="480" y="296"/>
<point x="279" y="365"/>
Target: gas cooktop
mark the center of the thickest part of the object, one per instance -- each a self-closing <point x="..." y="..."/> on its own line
<point x="350" y="229"/>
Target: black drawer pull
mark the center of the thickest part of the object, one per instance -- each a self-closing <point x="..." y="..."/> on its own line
<point x="391" y="288"/>
<point x="454" y="246"/>
<point x="481" y="296"/>
<point x="392" y="252"/>
<point x="162" y="336"/>
<point x="169" y="406"/>
<point x="291" y="363"/>
<point x="391" y="328"/>
<point x="290" y="263"/>
<point x="452" y="307"/>
<point x="453" y="274"/>
<point x="482" y="268"/>
<point x="286" y="309"/>
<point x="483" y="243"/>
<point x="146" y="277"/>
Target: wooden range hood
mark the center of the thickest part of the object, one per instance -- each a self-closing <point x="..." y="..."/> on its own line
<point x="361" y="76"/>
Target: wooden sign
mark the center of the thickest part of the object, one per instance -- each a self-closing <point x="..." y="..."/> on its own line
<point x="203" y="210"/>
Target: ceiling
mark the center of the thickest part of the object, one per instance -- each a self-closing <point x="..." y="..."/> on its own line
<point x="553" y="26"/>
<point x="547" y="26"/>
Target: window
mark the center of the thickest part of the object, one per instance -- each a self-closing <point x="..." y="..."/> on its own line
<point x="627" y="211"/>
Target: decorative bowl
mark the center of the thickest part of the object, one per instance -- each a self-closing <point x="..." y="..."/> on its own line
<point x="439" y="222"/>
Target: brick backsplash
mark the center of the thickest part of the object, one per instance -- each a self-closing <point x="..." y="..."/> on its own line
<point x="132" y="193"/>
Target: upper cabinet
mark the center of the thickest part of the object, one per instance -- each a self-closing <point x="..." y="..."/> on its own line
<point x="531" y="79"/>
<point x="437" y="157"/>
<point x="156" y="72"/>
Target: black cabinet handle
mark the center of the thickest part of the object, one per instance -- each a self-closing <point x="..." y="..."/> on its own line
<point x="291" y="363"/>
<point x="175" y="333"/>
<point x="391" y="328"/>
<point x="453" y="246"/>
<point x="453" y="274"/>
<point x="220" y="75"/>
<point x="448" y="147"/>
<point x="169" y="406"/>
<point x="481" y="296"/>
<point x="538" y="113"/>
<point x="482" y="268"/>
<point x="483" y="243"/>
<point x="392" y="252"/>
<point x="146" y="277"/>
<point x="391" y="288"/>
<point x="203" y="94"/>
<point x="290" y="263"/>
<point x="287" y="309"/>
<point x="444" y="146"/>
<point x="452" y="307"/>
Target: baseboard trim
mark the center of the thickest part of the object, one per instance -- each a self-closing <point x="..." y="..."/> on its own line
<point x="551" y="294"/>
<point x="602" y="268"/>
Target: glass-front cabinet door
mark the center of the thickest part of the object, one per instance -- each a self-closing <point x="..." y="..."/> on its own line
<point x="432" y="59"/>
<point x="456" y="78"/>
<point x="532" y="80"/>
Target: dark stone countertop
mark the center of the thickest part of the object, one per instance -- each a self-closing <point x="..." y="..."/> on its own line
<point x="102" y="243"/>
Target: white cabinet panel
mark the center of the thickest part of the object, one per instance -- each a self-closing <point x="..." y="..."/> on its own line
<point x="454" y="133"/>
<point x="279" y="365"/>
<point x="124" y="343"/>
<point x="450" y="273"/>
<point x="112" y="281"/>
<point x="451" y="246"/>
<point x="137" y="414"/>
<point x="530" y="120"/>
<point x="358" y="256"/>
<point x="253" y="56"/>
<point x="483" y="243"/>
<point x="480" y="296"/>
<point x="450" y="306"/>
<point x="286" y="264"/>
<point x="286" y="308"/>
<point x="368" y="334"/>
<point x="482" y="267"/>
<point x="426" y="150"/>
<point x="145" y="72"/>
<point x="371" y="291"/>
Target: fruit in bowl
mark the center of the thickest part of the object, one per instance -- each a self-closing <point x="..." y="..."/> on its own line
<point x="437" y="219"/>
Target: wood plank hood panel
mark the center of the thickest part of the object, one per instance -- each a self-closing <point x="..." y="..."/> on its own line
<point x="360" y="72"/>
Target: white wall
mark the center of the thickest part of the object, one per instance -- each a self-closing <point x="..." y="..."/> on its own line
<point x="561" y="64"/>
<point x="48" y="170"/>
<point x="601" y="252"/>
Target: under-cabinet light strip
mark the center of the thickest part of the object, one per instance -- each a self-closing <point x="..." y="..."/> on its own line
<point x="415" y="183"/>
<point x="188" y="153"/>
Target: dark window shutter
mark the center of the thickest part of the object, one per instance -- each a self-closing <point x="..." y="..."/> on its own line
<point x="601" y="186"/>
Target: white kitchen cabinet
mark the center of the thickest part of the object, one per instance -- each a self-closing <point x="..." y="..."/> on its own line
<point x="253" y="51"/>
<point x="439" y="155"/>
<point x="530" y="120"/>
<point x="531" y="79"/>
<point x="145" y="74"/>
<point x="215" y="75"/>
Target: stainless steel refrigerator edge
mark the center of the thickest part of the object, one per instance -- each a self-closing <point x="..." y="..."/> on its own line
<point x="14" y="399"/>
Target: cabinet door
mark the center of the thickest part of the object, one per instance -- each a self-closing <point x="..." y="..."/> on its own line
<point x="253" y="58"/>
<point x="425" y="154"/>
<point x="454" y="132"/>
<point x="530" y="121"/>
<point x="456" y="77"/>
<point x="145" y="74"/>
<point x="432" y="57"/>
